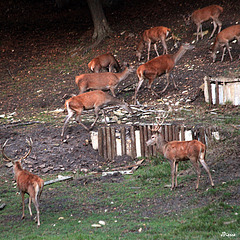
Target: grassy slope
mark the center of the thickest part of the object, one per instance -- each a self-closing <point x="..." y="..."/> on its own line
<point x="132" y="209"/>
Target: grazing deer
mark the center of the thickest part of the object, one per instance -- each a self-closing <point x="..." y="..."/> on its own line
<point x="204" y="14"/>
<point x="159" y="66"/>
<point x="102" y="81"/>
<point x="177" y="151"/>
<point x="223" y="39"/>
<point x="95" y="99"/>
<point x="104" y="61"/>
<point x="27" y="182"/>
<point x="153" y="35"/>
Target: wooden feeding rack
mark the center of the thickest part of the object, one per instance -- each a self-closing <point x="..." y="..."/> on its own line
<point x="220" y="90"/>
<point x="131" y="140"/>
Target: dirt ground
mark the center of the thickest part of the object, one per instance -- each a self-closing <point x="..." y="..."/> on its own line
<point x="39" y="35"/>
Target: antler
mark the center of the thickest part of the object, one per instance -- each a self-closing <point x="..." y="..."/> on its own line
<point x="4" y="155"/>
<point x="30" y="142"/>
<point x="161" y="118"/>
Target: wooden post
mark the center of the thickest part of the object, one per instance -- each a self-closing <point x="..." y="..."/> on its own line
<point x="104" y="143"/>
<point x="123" y="140"/>
<point x="202" y="135"/>
<point x="149" y="134"/>
<point x="174" y="132"/>
<point x="154" y="147"/>
<point x="109" y="143"/>
<point x="145" y="134"/>
<point x="113" y="139"/>
<point x="142" y="141"/>
<point x="133" y="142"/>
<point x="170" y="133"/>
<point x="209" y="91"/>
<point x="182" y="133"/>
<point x="217" y="93"/>
<point x="100" y="141"/>
<point x="166" y="132"/>
<point x="177" y="130"/>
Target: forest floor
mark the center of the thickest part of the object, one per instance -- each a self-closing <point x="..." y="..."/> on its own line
<point x="42" y="52"/>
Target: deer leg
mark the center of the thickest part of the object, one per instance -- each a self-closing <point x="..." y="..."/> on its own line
<point x="97" y="115"/>
<point x="207" y="170"/>
<point x="155" y="47"/>
<point x="201" y="31"/>
<point x="149" y="46"/>
<point x="167" y="74"/>
<point x="214" y="28"/>
<point x="70" y="114"/>
<point x="175" y="174"/>
<point x="172" y="173"/>
<point x="164" y="46"/>
<point x="23" y="205"/>
<point x="224" y="49"/>
<point x="219" y="23"/>
<point x="198" y="27"/>
<point x="29" y="206"/>
<point x="137" y="88"/>
<point x="197" y="169"/>
<point x="227" y="46"/>
<point x="37" y="210"/>
<point x="112" y="91"/>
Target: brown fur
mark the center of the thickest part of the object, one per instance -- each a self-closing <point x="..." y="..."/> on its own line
<point x="101" y="81"/>
<point x="159" y="66"/>
<point x="223" y="39"/>
<point x="95" y="99"/>
<point x="176" y="151"/>
<point x="104" y="61"/>
<point x="204" y="14"/>
<point x="152" y="36"/>
<point x="27" y="183"/>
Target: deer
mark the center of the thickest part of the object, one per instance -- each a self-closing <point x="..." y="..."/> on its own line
<point x="223" y="38"/>
<point x="106" y="60"/>
<point x="96" y="100"/>
<point x="102" y="81"/>
<point x="177" y="151"/>
<point x="26" y="182"/>
<point x="159" y="66"/>
<point x="153" y="35"/>
<point x="204" y="14"/>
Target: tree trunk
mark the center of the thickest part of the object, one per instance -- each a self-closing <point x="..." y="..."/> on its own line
<point x="101" y="27"/>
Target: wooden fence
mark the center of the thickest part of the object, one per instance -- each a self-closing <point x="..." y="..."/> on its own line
<point x="112" y="141"/>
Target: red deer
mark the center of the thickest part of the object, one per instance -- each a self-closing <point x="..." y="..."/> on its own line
<point x="204" y="14"/>
<point x="27" y="182"/>
<point x="153" y="35"/>
<point x="95" y="99"/>
<point x="102" y="81"/>
<point x="104" y="61"/>
<point x="177" y="151"/>
<point x="223" y="39"/>
<point x="159" y="66"/>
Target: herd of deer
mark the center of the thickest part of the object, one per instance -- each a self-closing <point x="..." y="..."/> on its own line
<point x="174" y="151"/>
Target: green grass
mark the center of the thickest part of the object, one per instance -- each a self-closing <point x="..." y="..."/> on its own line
<point x="132" y="209"/>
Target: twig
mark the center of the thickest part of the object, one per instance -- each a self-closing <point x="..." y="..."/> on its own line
<point x="19" y="124"/>
<point x="9" y="72"/>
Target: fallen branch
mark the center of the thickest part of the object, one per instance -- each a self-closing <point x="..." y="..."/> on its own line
<point x="59" y="179"/>
<point x="18" y="124"/>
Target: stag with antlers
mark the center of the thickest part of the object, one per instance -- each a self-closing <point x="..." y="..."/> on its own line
<point x="27" y="182"/>
<point x="177" y="151"/>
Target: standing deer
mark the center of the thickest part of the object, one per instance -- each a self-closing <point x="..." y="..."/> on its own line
<point x="177" y="151"/>
<point x="104" y="61"/>
<point x="102" y="81"/>
<point x="27" y="182"/>
<point x="153" y="35"/>
<point x="95" y="99"/>
<point x="204" y="14"/>
<point x="159" y="66"/>
<point x="223" y="39"/>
